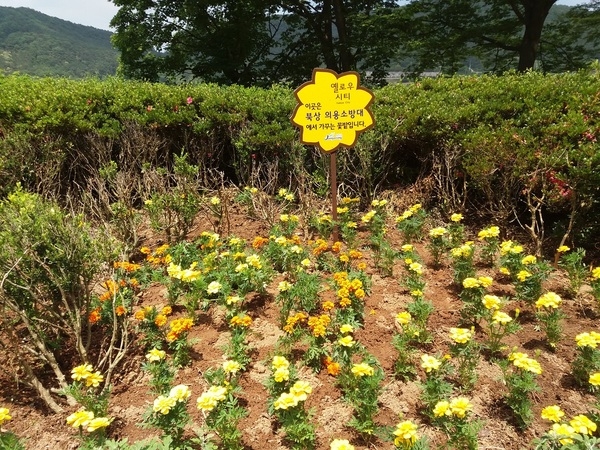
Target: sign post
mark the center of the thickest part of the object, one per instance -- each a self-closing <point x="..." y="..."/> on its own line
<point x="332" y="110"/>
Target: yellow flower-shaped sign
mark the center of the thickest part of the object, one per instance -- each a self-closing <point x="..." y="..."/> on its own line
<point x="332" y="109"/>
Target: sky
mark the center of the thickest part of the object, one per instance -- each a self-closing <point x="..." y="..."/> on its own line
<point x="98" y="13"/>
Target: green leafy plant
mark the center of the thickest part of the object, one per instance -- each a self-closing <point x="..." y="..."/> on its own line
<point x="454" y="417"/>
<point x="520" y="373"/>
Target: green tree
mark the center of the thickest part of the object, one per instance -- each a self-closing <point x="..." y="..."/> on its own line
<point x="502" y="34"/>
<point x="253" y="42"/>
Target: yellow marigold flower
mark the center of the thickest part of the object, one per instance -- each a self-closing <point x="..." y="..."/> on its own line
<point x="529" y="259"/>
<point x="563" y="431"/>
<point x="180" y="393"/>
<point x="486" y="282"/>
<point x="344" y="258"/>
<point x="492" y="301"/>
<point x="281" y="374"/>
<point x="81" y="372"/>
<point x="416" y="293"/>
<point x="416" y="268"/>
<point x="563" y="249"/>
<point x="346" y="328"/>
<point x="501" y="317"/>
<point x="242" y="321"/>
<point x="214" y="287"/>
<point x="163" y="404"/>
<point x="516" y="249"/>
<point x="346" y="341"/>
<point x="504" y="271"/>
<point x="407" y="248"/>
<point x="437" y="232"/>
<point x="553" y="413"/>
<point x="300" y="390"/>
<point x="285" y="401"/>
<point x="98" y="422"/>
<point x="341" y="444"/>
<point x="460" y="406"/>
<point x="442" y="408"/>
<point x="305" y="263"/>
<point x="140" y="314"/>
<point x="406" y="434"/>
<point x="145" y="250"/>
<point x="280" y="362"/>
<point x="586" y="340"/>
<point x="596" y="273"/>
<point x="359" y="293"/>
<point x="403" y="317"/>
<point x="361" y="266"/>
<point x="405" y="215"/>
<point x="456" y="217"/>
<point x="284" y="286"/>
<point x="362" y="369"/>
<point x="430" y="363"/>
<point x="4" y="415"/>
<point x="351" y="224"/>
<point x="368" y="216"/>
<point x="94" y="379"/>
<point x="595" y="379"/>
<point x="471" y="283"/>
<point x="209" y="399"/>
<point x="155" y="355"/>
<point x="548" y="300"/>
<point x="523" y="275"/>
<point x="416" y="207"/>
<point x="460" y="335"/>
<point x="80" y="418"/>
<point x="582" y="424"/>
<point x="345" y="301"/>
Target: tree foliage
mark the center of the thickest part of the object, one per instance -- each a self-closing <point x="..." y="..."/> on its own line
<point x="261" y="42"/>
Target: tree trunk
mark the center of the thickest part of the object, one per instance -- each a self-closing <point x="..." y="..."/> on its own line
<point x="345" y="55"/>
<point x="535" y="13"/>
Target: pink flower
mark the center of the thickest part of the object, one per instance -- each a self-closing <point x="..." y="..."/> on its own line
<point x="190" y="100"/>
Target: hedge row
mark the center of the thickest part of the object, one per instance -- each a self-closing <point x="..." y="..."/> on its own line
<point x="489" y="145"/>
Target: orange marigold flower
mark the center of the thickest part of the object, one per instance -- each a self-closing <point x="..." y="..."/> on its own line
<point x="94" y="316"/>
<point x="120" y="310"/>
<point x="160" y="320"/>
<point x="134" y="283"/>
<point x="333" y="368"/>
<point x="336" y="247"/>
<point x="105" y="296"/>
<point x="328" y="305"/>
<point x="145" y="250"/>
<point x="259" y="241"/>
<point x="359" y="293"/>
<point x="167" y="310"/>
<point x="361" y="266"/>
<point x="172" y="336"/>
<point x="355" y="254"/>
<point x="140" y="314"/>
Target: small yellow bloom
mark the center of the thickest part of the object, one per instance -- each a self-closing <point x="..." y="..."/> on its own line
<point x="4" y="415"/>
<point x="563" y="249"/>
<point x="281" y="374"/>
<point x="582" y="424"/>
<point x="94" y="379"/>
<point x="155" y="355"/>
<point x="80" y="418"/>
<point x="456" y="217"/>
<point x="163" y="404"/>
<point x="548" y="300"/>
<point x="403" y="317"/>
<point x="341" y="444"/>
<point x="442" y="408"/>
<point x="346" y="341"/>
<point x="529" y="259"/>
<point x="460" y="406"/>
<point x="492" y="302"/>
<point x="98" y="422"/>
<point x="406" y="433"/>
<point x="552" y="413"/>
<point x="231" y="366"/>
<point x="81" y="372"/>
<point x="362" y="369"/>
<point x="430" y="363"/>
<point x="346" y="328"/>
<point x="180" y="393"/>
<point x="564" y="431"/>
<point x="285" y="401"/>
<point x="280" y="362"/>
<point x="523" y="275"/>
<point x="595" y="379"/>
<point x="460" y="335"/>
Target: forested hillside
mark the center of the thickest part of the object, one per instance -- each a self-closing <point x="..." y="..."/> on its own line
<point x="37" y="44"/>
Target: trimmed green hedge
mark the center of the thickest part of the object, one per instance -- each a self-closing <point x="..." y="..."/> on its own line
<point x="485" y="143"/>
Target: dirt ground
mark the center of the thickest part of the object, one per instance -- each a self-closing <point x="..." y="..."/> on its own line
<point x="130" y="395"/>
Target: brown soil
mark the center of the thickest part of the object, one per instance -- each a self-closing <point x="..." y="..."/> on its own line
<point x="130" y="394"/>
